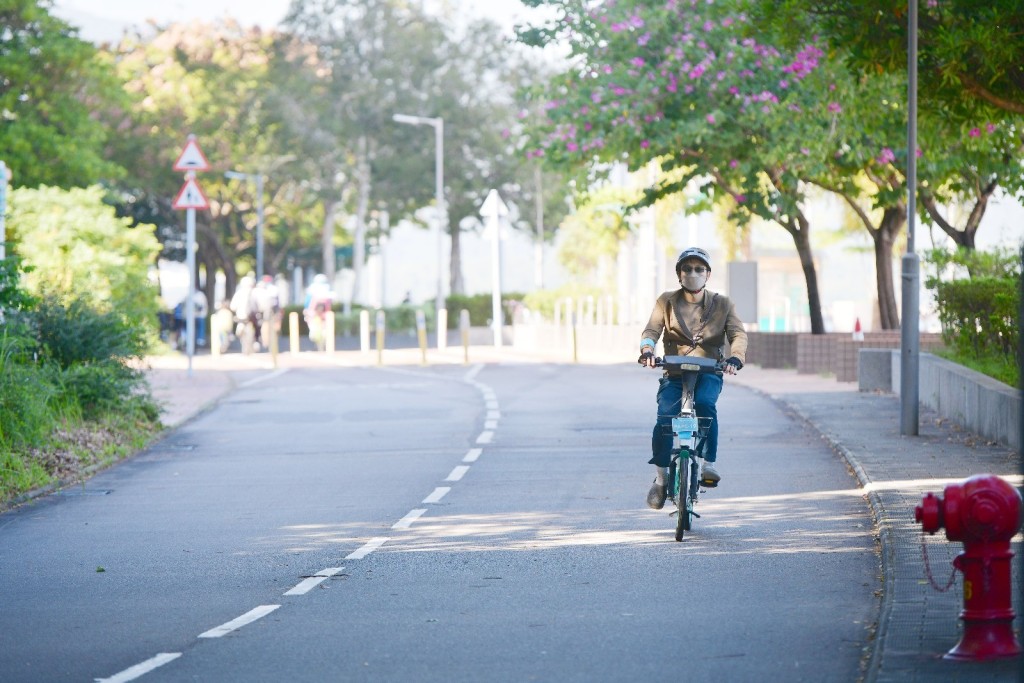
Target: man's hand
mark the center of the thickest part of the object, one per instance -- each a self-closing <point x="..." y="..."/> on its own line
<point x="732" y="365"/>
<point x="646" y="357"/>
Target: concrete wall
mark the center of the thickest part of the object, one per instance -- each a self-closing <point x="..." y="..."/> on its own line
<point x="975" y="401"/>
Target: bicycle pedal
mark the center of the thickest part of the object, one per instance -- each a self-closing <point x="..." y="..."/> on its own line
<point x="709" y="483"/>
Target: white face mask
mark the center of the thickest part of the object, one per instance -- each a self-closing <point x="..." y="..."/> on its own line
<point x="694" y="282"/>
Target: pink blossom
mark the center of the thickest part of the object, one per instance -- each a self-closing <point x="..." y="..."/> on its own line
<point x="805" y="151"/>
<point x="975" y="133"/>
<point x="711" y="119"/>
<point x="886" y="156"/>
<point x="637" y="61"/>
<point x="572" y="146"/>
<point x="644" y="144"/>
<point x="644" y="39"/>
<point x="741" y="198"/>
<point x="990" y="127"/>
<point x="834" y="107"/>
<point x="733" y="163"/>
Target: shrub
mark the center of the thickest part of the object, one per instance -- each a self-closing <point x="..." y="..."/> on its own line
<point x="979" y="315"/>
<point x="480" y="307"/>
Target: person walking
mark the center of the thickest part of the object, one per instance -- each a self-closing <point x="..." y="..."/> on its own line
<point x="691" y="320"/>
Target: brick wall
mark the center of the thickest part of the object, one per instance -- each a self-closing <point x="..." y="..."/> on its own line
<point x="772" y="349"/>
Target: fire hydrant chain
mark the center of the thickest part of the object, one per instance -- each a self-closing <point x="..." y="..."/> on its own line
<point x="928" y="568"/>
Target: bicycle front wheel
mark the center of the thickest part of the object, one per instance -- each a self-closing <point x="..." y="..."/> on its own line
<point x="682" y="496"/>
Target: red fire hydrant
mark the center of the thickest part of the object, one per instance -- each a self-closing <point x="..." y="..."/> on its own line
<point x="984" y="512"/>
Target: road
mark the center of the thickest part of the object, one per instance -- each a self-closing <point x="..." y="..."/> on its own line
<point x="482" y="523"/>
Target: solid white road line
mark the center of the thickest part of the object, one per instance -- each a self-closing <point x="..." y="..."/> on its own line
<point x="368" y="547"/>
<point x="473" y="454"/>
<point x="492" y="405"/>
<point x="247" y="618"/>
<point x="133" y="672"/>
<point x="312" y="582"/>
<point x="493" y="414"/>
<point x="485" y="437"/>
<point x="458" y="473"/>
<point x="406" y="522"/>
<point x="439" y="493"/>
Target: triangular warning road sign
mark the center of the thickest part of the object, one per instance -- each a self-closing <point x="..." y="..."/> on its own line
<point x="190" y="196"/>
<point x="192" y="158"/>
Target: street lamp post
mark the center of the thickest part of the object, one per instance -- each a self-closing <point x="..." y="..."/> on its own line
<point x="442" y="221"/>
<point x="258" y="177"/>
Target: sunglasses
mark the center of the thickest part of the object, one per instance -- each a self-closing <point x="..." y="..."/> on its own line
<point x="700" y="270"/>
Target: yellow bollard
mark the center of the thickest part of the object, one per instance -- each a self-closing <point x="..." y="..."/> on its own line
<point x="329" y="331"/>
<point x="293" y="333"/>
<point x="421" y="334"/>
<point x="380" y="337"/>
<point x="464" y="330"/>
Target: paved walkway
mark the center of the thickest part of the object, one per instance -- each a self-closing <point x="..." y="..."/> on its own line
<point x="918" y="624"/>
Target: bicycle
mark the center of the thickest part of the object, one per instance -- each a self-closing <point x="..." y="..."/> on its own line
<point x="690" y="433"/>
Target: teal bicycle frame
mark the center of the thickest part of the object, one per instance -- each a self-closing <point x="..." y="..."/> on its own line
<point x="690" y="433"/>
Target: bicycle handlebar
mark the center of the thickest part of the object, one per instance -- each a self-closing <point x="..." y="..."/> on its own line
<point x="691" y="363"/>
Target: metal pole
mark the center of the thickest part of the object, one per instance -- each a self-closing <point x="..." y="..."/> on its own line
<point x="496" y="322"/>
<point x="442" y="217"/>
<point x="909" y="330"/>
<point x="190" y="304"/>
<point x="259" y="227"/>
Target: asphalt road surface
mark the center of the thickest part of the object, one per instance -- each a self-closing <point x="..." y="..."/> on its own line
<point x="445" y="523"/>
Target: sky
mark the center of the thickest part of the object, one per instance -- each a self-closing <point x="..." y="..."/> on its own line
<point x="105" y="20"/>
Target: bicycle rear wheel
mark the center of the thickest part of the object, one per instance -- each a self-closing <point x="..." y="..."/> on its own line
<point x="682" y="495"/>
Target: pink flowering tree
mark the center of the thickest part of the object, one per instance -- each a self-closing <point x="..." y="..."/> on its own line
<point x="681" y="82"/>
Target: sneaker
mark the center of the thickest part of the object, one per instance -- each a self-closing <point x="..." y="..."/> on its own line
<point x="656" y="496"/>
<point x="709" y="475"/>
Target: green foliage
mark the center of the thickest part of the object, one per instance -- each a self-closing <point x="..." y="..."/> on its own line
<point x="12" y="296"/>
<point x="52" y="89"/>
<point x="1001" y="262"/>
<point x="79" y="249"/>
<point x="979" y="316"/>
<point x="543" y="301"/>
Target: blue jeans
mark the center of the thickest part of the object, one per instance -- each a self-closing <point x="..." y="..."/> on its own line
<point x="670" y="395"/>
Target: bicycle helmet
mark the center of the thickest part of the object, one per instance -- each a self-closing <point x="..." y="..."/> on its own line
<point x="693" y="252"/>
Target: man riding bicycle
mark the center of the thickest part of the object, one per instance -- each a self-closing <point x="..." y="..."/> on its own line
<point x="695" y="322"/>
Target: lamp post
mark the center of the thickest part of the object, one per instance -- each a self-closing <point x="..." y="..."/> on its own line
<point x="442" y="219"/>
<point x="258" y="177"/>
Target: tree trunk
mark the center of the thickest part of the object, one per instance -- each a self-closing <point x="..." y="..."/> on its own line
<point x="327" y="240"/>
<point x="884" y="237"/>
<point x="963" y="238"/>
<point x="801" y="232"/>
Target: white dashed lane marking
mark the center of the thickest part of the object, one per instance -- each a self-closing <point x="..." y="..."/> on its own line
<point x="473" y="454"/>
<point x="369" y="547"/>
<point x="235" y="624"/>
<point x="439" y="493"/>
<point x="312" y="582"/>
<point x="458" y="473"/>
<point x="406" y="522"/>
<point x="131" y="673"/>
<point x="485" y="437"/>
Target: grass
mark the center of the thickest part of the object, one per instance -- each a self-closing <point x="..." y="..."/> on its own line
<point x="997" y="367"/>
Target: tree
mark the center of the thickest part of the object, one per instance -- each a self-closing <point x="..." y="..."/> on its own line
<point x="970" y="53"/>
<point x="79" y="249"/>
<point x="680" y="84"/>
<point x="214" y="81"/>
<point x="50" y="85"/>
<point x="365" y="61"/>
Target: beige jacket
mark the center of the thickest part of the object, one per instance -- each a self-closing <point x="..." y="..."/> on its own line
<point x="723" y="335"/>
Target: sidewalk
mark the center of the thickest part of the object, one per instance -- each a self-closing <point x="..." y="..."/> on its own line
<point x="917" y="624"/>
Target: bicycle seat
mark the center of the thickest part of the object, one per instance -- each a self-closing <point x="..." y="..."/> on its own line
<point x="692" y="363"/>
